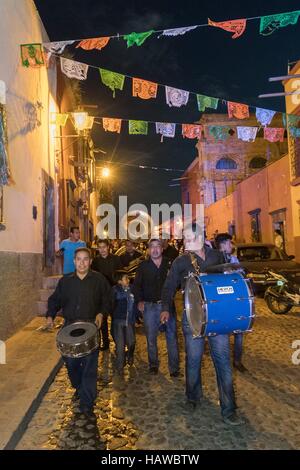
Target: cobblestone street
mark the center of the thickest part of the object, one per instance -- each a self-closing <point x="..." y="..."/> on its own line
<point x="148" y="412"/>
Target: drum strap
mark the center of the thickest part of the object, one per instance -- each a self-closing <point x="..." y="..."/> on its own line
<point x="194" y="263"/>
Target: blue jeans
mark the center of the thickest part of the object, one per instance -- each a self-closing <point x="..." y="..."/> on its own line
<point x="220" y="352"/>
<point x="151" y="316"/>
<point x="83" y="376"/>
<point x="238" y="347"/>
<point x="123" y="336"/>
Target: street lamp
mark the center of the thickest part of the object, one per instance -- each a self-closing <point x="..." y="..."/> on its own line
<point x="105" y="172"/>
<point x="80" y="120"/>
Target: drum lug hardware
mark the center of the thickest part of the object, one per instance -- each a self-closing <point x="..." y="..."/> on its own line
<point x="237" y="331"/>
<point x="212" y="334"/>
<point x="241" y="318"/>
<point x="214" y="321"/>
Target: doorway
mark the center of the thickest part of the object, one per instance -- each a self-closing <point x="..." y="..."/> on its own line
<point x="48" y="221"/>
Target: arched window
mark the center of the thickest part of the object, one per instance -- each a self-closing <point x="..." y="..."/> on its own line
<point x="226" y="164"/>
<point x="257" y="162"/>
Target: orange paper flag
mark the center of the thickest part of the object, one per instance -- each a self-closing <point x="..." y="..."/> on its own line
<point x="191" y="131"/>
<point x="237" y="110"/>
<point x="234" y="26"/>
<point x="112" y="125"/>
<point x="94" y="43"/>
<point x="143" y="89"/>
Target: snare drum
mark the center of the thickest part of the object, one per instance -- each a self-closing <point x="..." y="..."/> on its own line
<point x="77" y="339"/>
<point x="218" y="304"/>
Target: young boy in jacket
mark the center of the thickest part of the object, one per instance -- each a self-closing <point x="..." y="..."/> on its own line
<point x="123" y="322"/>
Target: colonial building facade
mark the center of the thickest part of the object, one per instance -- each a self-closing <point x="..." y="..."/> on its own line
<point x="224" y="160"/>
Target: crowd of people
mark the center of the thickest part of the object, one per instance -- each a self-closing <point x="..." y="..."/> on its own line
<point x="136" y="283"/>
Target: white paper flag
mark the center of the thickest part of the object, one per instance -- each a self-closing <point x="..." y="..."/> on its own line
<point x="264" y="116"/>
<point x="166" y="129"/>
<point x="56" y="47"/>
<point x="177" y="31"/>
<point x="247" y="134"/>
<point x="74" y="69"/>
<point x="176" y="97"/>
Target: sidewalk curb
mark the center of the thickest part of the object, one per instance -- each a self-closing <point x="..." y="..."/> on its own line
<point x="21" y="428"/>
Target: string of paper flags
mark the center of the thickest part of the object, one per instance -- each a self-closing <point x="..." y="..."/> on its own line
<point x="268" y="24"/>
<point x="175" y="97"/>
<point x="189" y="131"/>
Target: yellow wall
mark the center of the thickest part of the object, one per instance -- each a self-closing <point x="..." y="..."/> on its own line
<point x="30" y="150"/>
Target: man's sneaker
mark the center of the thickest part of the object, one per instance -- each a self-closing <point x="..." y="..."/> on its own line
<point x="153" y="370"/>
<point x="240" y="367"/>
<point x="233" y="420"/>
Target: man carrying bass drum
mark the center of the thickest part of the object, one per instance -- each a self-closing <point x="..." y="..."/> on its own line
<point x="199" y="257"/>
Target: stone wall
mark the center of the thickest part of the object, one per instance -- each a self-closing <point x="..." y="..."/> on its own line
<point x="20" y="281"/>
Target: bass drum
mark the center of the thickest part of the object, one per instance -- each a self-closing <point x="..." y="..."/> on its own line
<point x="78" y="339"/>
<point x="218" y="304"/>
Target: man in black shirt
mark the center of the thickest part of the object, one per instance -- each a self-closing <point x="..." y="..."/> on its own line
<point x="82" y="295"/>
<point x="169" y="251"/>
<point x="106" y="264"/>
<point x="130" y="254"/>
<point x="147" y="287"/>
<point x="194" y="347"/>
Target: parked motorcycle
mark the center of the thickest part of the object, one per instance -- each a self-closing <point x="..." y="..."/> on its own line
<point x="283" y="294"/>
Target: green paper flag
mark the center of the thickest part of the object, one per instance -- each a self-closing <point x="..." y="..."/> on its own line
<point x="137" y="38"/>
<point x="112" y="79"/>
<point x="292" y="119"/>
<point x="138" y="127"/>
<point x="32" y="55"/>
<point x="268" y="24"/>
<point x="219" y="132"/>
<point x="206" y="102"/>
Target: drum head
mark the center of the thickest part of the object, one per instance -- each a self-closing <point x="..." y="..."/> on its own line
<point x="194" y="306"/>
<point x="77" y="332"/>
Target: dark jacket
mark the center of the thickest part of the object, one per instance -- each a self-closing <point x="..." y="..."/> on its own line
<point x="149" y="280"/>
<point x="122" y="304"/>
<point x="107" y="266"/>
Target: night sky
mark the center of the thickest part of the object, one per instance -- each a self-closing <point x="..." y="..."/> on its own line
<point x="205" y="60"/>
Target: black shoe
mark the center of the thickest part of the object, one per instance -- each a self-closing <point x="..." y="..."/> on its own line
<point x="191" y="404"/>
<point x="88" y="412"/>
<point x="153" y="370"/>
<point x="240" y="367"/>
<point x="105" y="347"/>
<point x="175" y="374"/>
<point x="233" y="420"/>
<point x="130" y="361"/>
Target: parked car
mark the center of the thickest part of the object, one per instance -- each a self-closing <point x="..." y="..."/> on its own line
<point x="259" y="258"/>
